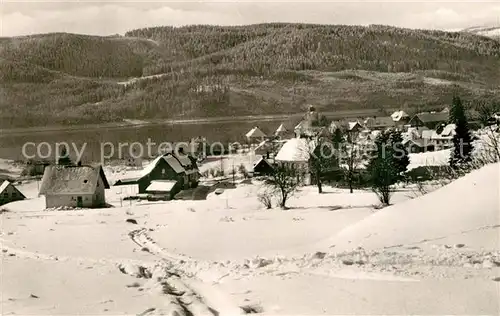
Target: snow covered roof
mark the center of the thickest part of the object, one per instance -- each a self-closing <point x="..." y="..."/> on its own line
<point x="449" y="130"/>
<point x="352" y="125"/>
<point x="161" y="185"/>
<point x="174" y="163"/>
<point x="261" y="160"/>
<point x="149" y="167"/>
<point x="295" y="150"/>
<point x="255" y="132"/>
<point x="398" y="115"/>
<point x="171" y="160"/>
<point x="430" y="117"/>
<point x="281" y="129"/>
<point x="184" y="160"/>
<point x="71" y="180"/>
<point x="4" y="185"/>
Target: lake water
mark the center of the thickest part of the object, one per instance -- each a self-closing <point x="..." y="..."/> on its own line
<point x="98" y="137"/>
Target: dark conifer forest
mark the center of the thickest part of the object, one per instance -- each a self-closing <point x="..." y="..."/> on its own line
<point x="209" y="71"/>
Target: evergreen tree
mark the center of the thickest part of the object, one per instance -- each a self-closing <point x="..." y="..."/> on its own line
<point x="388" y="164"/>
<point x="64" y="158"/>
<point x="462" y="140"/>
<point x="401" y="156"/>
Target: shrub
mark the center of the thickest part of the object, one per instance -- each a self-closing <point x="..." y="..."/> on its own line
<point x="266" y="200"/>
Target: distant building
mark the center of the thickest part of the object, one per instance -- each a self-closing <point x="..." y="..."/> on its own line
<point x="74" y="186"/>
<point x="255" y="135"/>
<point x="430" y="120"/>
<point x="282" y="132"/>
<point x="9" y="193"/>
<point x="296" y="153"/>
<point x="400" y="119"/>
<point x="312" y="125"/>
<point x="379" y="122"/>
<point x="354" y="127"/>
<point x="262" y="167"/>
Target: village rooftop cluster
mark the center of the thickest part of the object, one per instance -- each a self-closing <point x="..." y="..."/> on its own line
<point x="174" y="167"/>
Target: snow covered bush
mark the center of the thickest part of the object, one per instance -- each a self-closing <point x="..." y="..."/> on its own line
<point x="284" y="181"/>
<point x="266" y="199"/>
<point x="243" y="171"/>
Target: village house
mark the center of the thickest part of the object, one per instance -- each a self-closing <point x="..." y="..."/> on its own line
<point x="167" y="167"/>
<point x="431" y="120"/>
<point x="74" y="186"/>
<point x="295" y="153"/>
<point x="255" y="135"/>
<point x="262" y="167"/>
<point x="400" y="119"/>
<point x="312" y="125"/>
<point x="281" y="132"/>
<point x="192" y="173"/>
<point x="442" y="137"/>
<point x="379" y="122"/>
<point x="9" y="193"/>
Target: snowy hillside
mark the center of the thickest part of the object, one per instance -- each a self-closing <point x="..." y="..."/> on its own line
<point x="439" y="214"/>
<point x="492" y="31"/>
<point x="331" y="253"/>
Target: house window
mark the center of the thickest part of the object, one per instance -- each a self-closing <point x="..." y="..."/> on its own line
<point x="6" y="195"/>
<point x="163" y="171"/>
<point x="14" y="194"/>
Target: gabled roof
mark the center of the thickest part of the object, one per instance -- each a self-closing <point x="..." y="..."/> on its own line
<point x="184" y="160"/>
<point x="71" y="180"/>
<point x="281" y="129"/>
<point x="352" y="125"/>
<point x="150" y="167"/>
<point x="449" y="130"/>
<point x="398" y="115"/>
<point x="171" y="161"/>
<point x="261" y="160"/>
<point x="161" y="185"/>
<point x="6" y="184"/>
<point x="174" y="163"/>
<point x="431" y="117"/>
<point x="255" y="132"/>
<point x="295" y="150"/>
<point x="380" y="121"/>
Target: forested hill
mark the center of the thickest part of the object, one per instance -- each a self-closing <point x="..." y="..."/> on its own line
<point x="201" y="71"/>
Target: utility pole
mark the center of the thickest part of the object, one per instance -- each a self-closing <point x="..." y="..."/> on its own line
<point x="233" y="171"/>
<point x="221" y="165"/>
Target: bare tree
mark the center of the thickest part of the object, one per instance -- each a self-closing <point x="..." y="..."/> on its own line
<point x="351" y="156"/>
<point x="322" y="159"/>
<point x="284" y="181"/>
<point x="489" y="142"/>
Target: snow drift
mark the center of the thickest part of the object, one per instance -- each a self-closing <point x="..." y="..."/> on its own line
<point x="468" y="204"/>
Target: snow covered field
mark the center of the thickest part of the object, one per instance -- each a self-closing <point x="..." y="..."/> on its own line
<point x="331" y="253"/>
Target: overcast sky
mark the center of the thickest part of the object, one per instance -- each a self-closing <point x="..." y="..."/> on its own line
<point x="111" y="17"/>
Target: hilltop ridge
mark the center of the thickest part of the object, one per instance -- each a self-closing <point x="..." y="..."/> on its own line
<point x="208" y="71"/>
